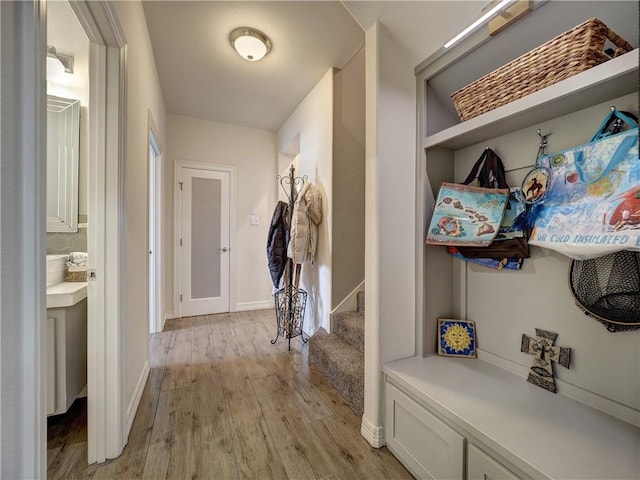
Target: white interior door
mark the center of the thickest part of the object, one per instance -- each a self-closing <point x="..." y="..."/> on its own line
<point x="204" y="242"/>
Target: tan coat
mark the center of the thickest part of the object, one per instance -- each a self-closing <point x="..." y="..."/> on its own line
<point x="307" y="215"/>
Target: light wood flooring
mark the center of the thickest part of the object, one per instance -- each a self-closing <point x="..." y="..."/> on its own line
<point x="221" y="402"/>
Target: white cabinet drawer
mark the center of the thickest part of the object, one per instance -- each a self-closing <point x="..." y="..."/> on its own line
<point x="425" y="445"/>
<point x="481" y="466"/>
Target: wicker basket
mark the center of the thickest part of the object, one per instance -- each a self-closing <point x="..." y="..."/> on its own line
<point x="77" y="274"/>
<point x="572" y="52"/>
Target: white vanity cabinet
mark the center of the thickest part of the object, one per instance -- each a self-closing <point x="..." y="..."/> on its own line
<point x="66" y="345"/>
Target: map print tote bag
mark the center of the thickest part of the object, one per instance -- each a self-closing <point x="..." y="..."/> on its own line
<point x="466" y="215"/>
<point x="591" y="207"/>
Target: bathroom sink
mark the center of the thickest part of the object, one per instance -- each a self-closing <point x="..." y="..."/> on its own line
<point x="56" y="269"/>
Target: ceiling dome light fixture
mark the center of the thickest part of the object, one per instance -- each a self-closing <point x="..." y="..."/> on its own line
<point x="251" y="44"/>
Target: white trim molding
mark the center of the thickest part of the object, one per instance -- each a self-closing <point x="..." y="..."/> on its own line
<point x="261" y="305"/>
<point x="372" y="433"/>
<point x="156" y="182"/>
<point x="137" y="396"/>
<point x="23" y="326"/>
<point x="107" y="138"/>
<point x="350" y="302"/>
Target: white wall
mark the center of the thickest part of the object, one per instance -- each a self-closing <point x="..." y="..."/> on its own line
<point x="311" y="124"/>
<point x="253" y="153"/>
<point x="348" y="178"/>
<point x="390" y="212"/>
<point x="144" y="98"/>
<point x="310" y="127"/>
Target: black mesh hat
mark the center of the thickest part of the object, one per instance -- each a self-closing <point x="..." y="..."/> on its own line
<point x="607" y="288"/>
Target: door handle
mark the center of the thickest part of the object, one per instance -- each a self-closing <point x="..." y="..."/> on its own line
<point x="223" y="249"/>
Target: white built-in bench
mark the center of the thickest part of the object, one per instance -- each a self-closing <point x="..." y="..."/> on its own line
<point x="454" y="418"/>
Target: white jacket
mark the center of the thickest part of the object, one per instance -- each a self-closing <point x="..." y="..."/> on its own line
<point x="307" y="214"/>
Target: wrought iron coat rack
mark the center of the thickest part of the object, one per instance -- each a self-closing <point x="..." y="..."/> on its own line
<point x="290" y="301"/>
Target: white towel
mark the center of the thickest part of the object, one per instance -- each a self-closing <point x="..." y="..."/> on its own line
<point x="77" y="259"/>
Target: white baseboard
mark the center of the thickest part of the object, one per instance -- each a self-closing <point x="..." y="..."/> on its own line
<point x="350" y="302"/>
<point x="262" y="305"/>
<point x="372" y="433"/>
<point x="137" y="396"/>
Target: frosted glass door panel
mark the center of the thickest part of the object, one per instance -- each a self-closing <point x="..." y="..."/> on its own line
<point x="205" y="238"/>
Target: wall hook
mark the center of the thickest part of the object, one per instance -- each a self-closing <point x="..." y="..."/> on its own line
<point x="543" y="143"/>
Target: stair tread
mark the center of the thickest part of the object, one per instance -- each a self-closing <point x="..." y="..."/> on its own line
<point x="355" y="315"/>
<point x="342" y="349"/>
<point x="350" y="327"/>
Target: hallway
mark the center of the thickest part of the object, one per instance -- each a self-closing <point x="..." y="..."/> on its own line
<point x="221" y="402"/>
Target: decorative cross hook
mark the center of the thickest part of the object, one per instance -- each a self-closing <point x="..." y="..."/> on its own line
<point x="541" y="373"/>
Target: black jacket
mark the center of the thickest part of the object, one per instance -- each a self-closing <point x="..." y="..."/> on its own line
<point x="277" y="242"/>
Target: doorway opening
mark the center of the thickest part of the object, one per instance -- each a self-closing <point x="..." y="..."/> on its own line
<point x="67" y="186"/>
<point x="106" y="65"/>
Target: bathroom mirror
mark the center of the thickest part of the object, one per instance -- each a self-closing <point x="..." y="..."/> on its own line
<point x="63" y="144"/>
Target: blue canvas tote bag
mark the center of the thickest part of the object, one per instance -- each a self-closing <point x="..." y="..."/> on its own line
<point x="589" y="205"/>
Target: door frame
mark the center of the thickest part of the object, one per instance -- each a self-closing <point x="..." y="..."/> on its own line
<point x="107" y="424"/>
<point x="177" y="264"/>
<point x="23" y="332"/>
<point x="156" y="315"/>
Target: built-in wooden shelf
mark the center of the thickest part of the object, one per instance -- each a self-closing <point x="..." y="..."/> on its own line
<point x="612" y="79"/>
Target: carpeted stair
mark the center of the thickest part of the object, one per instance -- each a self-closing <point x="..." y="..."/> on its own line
<point x="339" y="355"/>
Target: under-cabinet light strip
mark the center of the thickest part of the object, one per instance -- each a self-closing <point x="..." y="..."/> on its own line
<point x="478" y="22"/>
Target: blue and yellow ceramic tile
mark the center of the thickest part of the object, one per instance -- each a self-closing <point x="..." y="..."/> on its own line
<point x="457" y="338"/>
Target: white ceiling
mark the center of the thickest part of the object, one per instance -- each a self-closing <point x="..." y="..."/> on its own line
<point x="419" y="27"/>
<point x="202" y="76"/>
